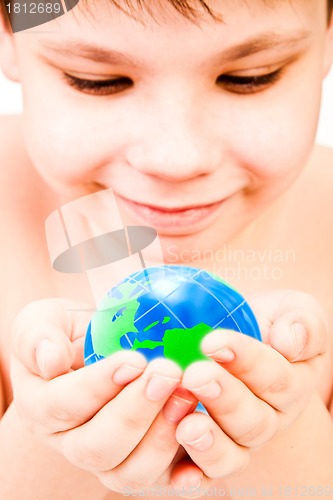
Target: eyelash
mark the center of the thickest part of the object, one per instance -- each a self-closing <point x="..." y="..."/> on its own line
<point x="99" y="87"/>
<point x="249" y="84"/>
<point x="232" y="83"/>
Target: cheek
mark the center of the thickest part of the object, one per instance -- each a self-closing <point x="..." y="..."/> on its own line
<point x="277" y="141"/>
<point x="65" y="148"/>
<point x="68" y="139"/>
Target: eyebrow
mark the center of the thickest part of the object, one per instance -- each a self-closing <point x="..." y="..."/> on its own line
<point x="92" y="52"/>
<point x="263" y="42"/>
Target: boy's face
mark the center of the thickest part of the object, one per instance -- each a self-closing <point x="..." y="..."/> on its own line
<point x="196" y="127"/>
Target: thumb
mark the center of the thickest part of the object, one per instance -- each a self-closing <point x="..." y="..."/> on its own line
<point x="48" y="337"/>
<point x="299" y="336"/>
<point x="292" y="322"/>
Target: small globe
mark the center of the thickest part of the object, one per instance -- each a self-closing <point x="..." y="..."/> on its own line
<point x="165" y="311"/>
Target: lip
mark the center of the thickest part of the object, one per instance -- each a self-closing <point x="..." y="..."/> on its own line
<point x="172" y="219"/>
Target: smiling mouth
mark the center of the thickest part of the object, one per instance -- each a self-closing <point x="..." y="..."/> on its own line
<point x="173" y="218"/>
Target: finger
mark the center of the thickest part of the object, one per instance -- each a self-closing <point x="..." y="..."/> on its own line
<point x="149" y="463"/>
<point x="209" y="447"/>
<point x="74" y="398"/>
<point x="294" y="323"/>
<point x="48" y="337"/>
<point x="262" y="369"/>
<point x="188" y="480"/>
<point x="110" y="436"/>
<point x="228" y="401"/>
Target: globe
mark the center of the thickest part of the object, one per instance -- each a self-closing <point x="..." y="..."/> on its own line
<point x="165" y="311"/>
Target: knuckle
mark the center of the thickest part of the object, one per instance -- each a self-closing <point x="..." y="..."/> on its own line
<point x="93" y="460"/>
<point x="230" y="406"/>
<point x="133" y="484"/>
<point x="62" y="419"/>
<point x="240" y="462"/>
<point x="281" y="383"/>
<point x="162" y="439"/>
<point x="44" y="412"/>
<point x="116" y="481"/>
<point x="237" y="461"/>
<point x="247" y="367"/>
<point x="260" y="432"/>
<point x="55" y="414"/>
<point x="300" y="390"/>
<point x="131" y="421"/>
<point x="234" y="461"/>
<point x="86" y="456"/>
<point x="299" y="397"/>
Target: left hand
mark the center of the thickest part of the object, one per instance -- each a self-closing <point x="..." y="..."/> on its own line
<point x="252" y="390"/>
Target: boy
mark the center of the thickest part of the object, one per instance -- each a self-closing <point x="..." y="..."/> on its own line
<point x="203" y="127"/>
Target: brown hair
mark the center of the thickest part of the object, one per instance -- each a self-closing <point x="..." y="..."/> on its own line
<point x="187" y="8"/>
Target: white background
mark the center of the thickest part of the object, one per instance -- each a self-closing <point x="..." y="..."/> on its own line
<point x="11" y="102"/>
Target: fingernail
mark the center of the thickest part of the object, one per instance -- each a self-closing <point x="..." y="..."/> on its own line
<point x="223" y="355"/>
<point x="212" y="390"/>
<point x="125" y="374"/>
<point x="203" y="442"/>
<point x="176" y="408"/>
<point x="191" y="485"/>
<point x="299" y="336"/>
<point x="42" y="351"/>
<point x="160" y="386"/>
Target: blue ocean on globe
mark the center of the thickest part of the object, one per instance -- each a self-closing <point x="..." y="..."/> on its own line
<point x="165" y="311"/>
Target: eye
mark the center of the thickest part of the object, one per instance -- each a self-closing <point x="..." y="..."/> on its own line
<point x="99" y="87"/>
<point x="248" y="84"/>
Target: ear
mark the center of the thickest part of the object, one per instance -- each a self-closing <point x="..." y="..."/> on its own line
<point x="8" y="58"/>
<point x="328" y="56"/>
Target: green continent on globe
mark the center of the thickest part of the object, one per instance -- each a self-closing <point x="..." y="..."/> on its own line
<point x="116" y="316"/>
<point x="123" y="310"/>
<point x="182" y="345"/>
<point x="163" y="311"/>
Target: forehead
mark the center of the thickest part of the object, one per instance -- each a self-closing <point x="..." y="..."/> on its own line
<point x="206" y="14"/>
<point x="188" y="8"/>
<point x="231" y="15"/>
<point x="161" y="33"/>
<point x="191" y="9"/>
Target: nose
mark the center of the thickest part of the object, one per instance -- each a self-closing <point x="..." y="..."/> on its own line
<point x="175" y="142"/>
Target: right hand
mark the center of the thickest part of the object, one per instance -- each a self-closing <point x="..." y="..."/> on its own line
<point x="116" y="418"/>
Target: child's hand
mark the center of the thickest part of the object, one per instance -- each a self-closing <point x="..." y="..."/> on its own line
<point x="250" y="390"/>
<point x="102" y="420"/>
<point x="105" y="418"/>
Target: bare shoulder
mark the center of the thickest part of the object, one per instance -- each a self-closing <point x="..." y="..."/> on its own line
<point x="16" y="172"/>
<point x="11" y="140"/>
<point x="312" y="193"/>
<point x="311" y="216"/>
<point x="319" y="172"/>
<point x="24" y="196"/>
<point x="2" y="397"/>
<point x="318" y="188"/>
